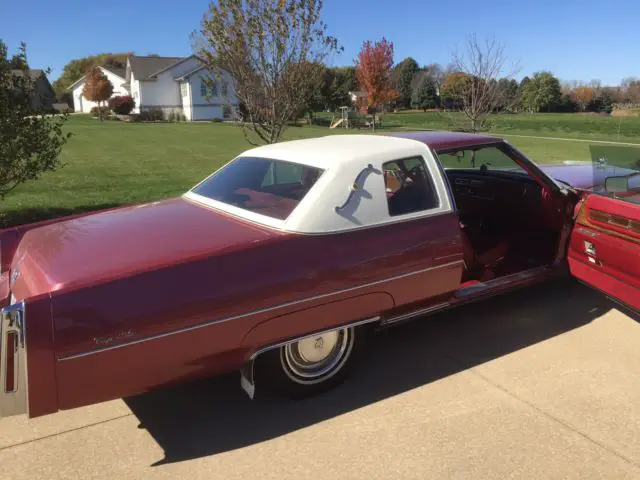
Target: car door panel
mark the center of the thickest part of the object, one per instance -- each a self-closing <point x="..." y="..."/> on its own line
<point x="604" y="249"/>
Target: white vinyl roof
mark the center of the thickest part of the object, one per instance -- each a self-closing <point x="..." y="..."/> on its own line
<point x="346" y="160"/>
<point x="330" y="151"/>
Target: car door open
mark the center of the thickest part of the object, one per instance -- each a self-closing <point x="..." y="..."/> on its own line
<point x="604" y="250"/>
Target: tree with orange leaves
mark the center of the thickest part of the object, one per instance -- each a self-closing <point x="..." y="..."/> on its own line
<point x="583" y="95"/>
<point x="373" y="71"/>
<point x="97" y="88"/>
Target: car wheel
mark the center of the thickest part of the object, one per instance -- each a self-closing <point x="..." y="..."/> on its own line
<point x="314" y="364"/>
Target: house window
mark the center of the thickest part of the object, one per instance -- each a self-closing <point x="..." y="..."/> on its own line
<point x="225" y="88"/>
<point x="208" y="88"/>
<point x="226" y="111"/>
<point x="183" y="89"/>
<point x="409" y="186"/>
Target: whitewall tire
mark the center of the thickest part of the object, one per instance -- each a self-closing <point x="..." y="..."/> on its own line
<point x="312" y="365"/>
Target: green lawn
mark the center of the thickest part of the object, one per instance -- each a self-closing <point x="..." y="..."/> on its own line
<point x="116" y="163"/>
<point x="564" y="125"/>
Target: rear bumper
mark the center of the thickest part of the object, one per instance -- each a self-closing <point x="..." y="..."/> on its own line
<point x="13" y="361"/>
<point x="609" y="285"/>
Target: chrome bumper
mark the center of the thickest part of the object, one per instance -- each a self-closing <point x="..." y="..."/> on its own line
<point x="13" y="361"/>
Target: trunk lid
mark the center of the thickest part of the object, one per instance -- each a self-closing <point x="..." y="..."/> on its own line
<point x="122" y="242"/>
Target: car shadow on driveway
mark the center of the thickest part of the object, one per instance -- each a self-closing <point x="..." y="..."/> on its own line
<point x="213" y="416"/>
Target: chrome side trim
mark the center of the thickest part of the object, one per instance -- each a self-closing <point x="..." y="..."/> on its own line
<point x="586" y="232"/>
<point x="262" y="310"/>
<point x="13" y="384"/>
<point x="308" y="335"/>
<point x="415" y="313"/>
<point x="247" y="380"/>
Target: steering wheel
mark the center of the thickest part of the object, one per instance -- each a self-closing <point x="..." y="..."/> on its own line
<point x="416" y="174"/>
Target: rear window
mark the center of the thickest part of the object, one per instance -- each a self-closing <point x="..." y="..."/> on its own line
<point x="262" y="185"/>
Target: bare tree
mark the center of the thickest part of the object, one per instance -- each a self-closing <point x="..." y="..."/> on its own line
<point x="438" y="73"/>
<point x="273" y="50"/>
<point x="477" y="90"/>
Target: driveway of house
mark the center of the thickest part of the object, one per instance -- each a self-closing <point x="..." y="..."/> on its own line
<point x="541" y="383"/>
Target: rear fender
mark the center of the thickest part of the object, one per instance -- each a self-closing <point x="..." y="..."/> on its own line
<point x="10" y="237"/>
<point x="287" y="328"/>
<point x="321" y="317"/>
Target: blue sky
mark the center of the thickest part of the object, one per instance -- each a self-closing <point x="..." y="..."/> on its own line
<point x="577" y="40"/>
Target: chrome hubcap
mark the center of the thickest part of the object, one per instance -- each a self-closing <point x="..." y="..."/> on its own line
<point x="317" y="358"/>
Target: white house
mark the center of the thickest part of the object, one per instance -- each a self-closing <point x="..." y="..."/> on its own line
<point x="172" y="84"/>
<point x="180" y="85"/>
<point x="115" y="76"/>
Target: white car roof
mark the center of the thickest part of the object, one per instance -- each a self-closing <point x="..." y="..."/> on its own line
<point x="346" y="159"/>
<point x="332" y="150"/>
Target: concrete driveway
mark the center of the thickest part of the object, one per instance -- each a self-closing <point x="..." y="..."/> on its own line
<point x="542" y="383"/>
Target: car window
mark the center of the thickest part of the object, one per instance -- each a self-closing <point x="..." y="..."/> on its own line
<point x="490" y="158"/>
<point x="261" y="185"/>
<point x="616" y="172"/>
<point x="409" y="186"/>
<point x="282" y="173"/>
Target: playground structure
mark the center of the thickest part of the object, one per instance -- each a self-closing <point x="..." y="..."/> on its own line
<point x="350" y="117"/>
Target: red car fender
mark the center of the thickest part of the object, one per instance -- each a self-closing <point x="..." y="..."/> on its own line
<point x="316" y="318"/>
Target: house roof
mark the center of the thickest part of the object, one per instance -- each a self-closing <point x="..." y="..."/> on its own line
<point x="34" y="73"/>
<point x="145" y="67"/>
<point x="189" y="73"/>
<point x="121" y="72"/>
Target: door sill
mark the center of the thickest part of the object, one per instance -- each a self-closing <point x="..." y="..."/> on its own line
<point x="515" y="278"/>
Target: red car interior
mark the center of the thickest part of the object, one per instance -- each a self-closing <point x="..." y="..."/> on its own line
<point x="506" y="222"/>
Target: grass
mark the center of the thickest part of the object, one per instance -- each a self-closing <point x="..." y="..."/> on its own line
<point x="117" y="163"/>
<point x="561" y="125"/>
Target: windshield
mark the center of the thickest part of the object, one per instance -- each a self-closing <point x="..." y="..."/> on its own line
<point x="262" y="185"/>
<point x="482" y="159"/>
<point x="616" y="172"/>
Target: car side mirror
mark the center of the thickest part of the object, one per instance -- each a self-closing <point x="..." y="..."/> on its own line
<point x="616" y="184"/>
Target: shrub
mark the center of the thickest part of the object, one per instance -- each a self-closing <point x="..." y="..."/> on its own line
<point x="152" y="115"/>
<point x="176" y="116"/>
<point x="122" y="105"/>
<point x="95" y="112"/>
